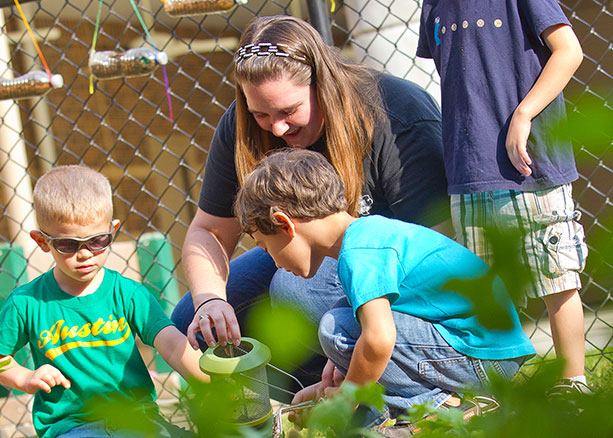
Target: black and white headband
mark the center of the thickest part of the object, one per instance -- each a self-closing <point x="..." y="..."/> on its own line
<point x="265" y="49"/>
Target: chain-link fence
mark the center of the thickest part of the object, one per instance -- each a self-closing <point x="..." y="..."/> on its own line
<point x="124" y="129"/>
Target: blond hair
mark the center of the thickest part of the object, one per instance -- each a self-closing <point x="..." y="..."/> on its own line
<point x="297" y="182"/>
<point x="72" y="194"/>
<point x="347" y="93"/>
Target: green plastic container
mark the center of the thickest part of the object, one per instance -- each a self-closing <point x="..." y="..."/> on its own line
<point x="244" y="367"/>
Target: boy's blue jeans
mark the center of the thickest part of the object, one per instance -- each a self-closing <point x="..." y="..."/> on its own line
<point x="104" y="429"/>
<point x="423" y="367"/>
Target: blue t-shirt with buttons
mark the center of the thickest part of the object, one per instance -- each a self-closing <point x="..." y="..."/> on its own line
<point x="489" y="54"/>
<point x="410" y="264"/>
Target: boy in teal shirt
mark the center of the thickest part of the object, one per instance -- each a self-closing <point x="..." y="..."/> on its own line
<point x="81" y="320"/>
<point x="405" y="328"/>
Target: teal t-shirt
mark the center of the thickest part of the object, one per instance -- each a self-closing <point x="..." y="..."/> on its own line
<point x="90" y="339"/>
<point x="409" y="264"/>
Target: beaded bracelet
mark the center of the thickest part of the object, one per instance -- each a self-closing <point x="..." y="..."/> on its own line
<point x="206" y="301"/>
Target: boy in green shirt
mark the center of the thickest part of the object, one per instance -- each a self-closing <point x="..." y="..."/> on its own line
<point x="80" y="319"/>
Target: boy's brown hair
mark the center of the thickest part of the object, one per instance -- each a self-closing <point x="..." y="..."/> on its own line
<point x="297" y="182"/>
<point x="72" y="194"/>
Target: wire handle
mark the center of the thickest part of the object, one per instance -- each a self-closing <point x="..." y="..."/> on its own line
<point x="295" y="379"/>
<point x="277" y="424"/>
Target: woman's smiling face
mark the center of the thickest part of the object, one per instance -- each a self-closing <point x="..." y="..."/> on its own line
<point x="290" y="112"/>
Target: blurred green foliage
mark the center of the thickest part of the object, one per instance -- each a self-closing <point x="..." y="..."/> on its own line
<point x="528" y="411"/>
<point x="589" y="124"/>
<point x="480" y="291"/>
<point x="121" y="414"/>
<point x="210" y="407"/>
<point x="506" y="266"/>
<point x="602" y="375"/>
<point x="337" y="417"/>
<point x="290" y="336"/>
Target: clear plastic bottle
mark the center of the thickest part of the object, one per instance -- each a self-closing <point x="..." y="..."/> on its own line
<point x="32" y="84"/>
<point x="134" y="62"/>
<point x="181" y="8"/>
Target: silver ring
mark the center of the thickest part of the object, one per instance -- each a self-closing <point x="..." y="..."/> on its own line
<point x="204" y="316"/>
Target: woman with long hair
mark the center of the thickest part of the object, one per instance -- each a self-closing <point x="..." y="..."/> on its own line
<point x="382" y="134"/>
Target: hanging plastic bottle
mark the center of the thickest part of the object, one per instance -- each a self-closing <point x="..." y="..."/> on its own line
<point x="32" y="84"/>
<point x="134" y="62"/>
<point x="181" y="8"/>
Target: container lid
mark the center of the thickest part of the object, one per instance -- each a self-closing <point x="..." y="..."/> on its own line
<point x="251" y="354"/>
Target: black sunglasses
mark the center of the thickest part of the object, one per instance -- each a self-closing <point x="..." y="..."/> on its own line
<point x="71" y="245"/>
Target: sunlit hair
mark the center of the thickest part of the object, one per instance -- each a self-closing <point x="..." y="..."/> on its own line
<point x="72" y="194"/>
<point x="297" y="182"/>
<point x="347" y="93"/>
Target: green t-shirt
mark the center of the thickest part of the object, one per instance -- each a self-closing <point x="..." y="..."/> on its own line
<point x="90" y="339"/>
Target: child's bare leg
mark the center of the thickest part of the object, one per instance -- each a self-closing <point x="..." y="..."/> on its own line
<point x="566" y="320"/>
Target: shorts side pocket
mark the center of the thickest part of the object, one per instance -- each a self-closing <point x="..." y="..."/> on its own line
<point x="565" y="248"/>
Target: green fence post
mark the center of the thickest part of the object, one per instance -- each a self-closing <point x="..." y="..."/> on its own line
<point x="12" y="269"/>
<point x="156" y="267"/>
<point x="12" y="274"/>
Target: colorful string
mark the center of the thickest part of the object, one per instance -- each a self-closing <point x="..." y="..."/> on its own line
<point x="93" y="49"/>
<point x="153" y="45"/>
<point x="23" y="17"/>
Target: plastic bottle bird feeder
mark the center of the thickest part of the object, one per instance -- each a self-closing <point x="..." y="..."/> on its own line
<point x="134" y="62"/>
<point x="184" y="8"/>
<point x="32" y="84"/>
<point x="243" y="367"/>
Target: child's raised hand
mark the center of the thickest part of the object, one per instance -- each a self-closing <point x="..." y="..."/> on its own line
<point x="45" y="378"/>
<point x="517" y="141"/>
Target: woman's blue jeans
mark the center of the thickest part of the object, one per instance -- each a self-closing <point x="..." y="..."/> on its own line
<point x="423" y="367"/>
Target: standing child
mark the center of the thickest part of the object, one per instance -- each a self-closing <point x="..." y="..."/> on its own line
<point x="405" y="328"/>
<point x="503" y="66"/>
<point x="80" y="319"/>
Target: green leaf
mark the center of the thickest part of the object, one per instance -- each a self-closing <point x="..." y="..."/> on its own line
<point x="370" y="394"/>
<point x="485" y="292"/>
<point x="337" y="417"/>
<point x="332" y="417"/>
<point x="286" y="331"/>
<point x="506" y="262"/>
<point x="588" y="124"/>
<point x="213" y="408"/>
<point x="480" y="291"/>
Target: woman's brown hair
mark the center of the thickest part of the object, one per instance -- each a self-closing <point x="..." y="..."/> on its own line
<point x="347" y="93"/>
